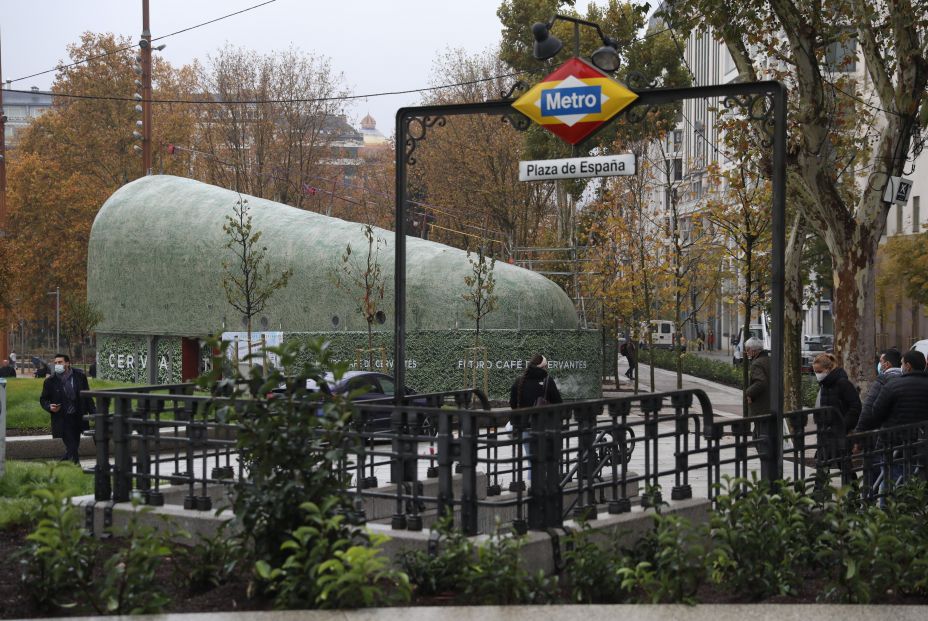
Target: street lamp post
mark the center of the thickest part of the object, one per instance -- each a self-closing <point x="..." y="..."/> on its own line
<point x="57" y="294"/>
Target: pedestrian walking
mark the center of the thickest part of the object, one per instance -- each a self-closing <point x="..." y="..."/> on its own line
<point x="13" y="358"/>
<point x="901" y="400"/>
<point x="710" y="340"/>
<point x="630" y="352"/>
<point x="534" y="388"/>
<point x="61" y="397"/>
<point x="757" y="393"/>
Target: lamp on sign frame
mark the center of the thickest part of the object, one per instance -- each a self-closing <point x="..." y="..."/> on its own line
<point x="546" y="44"/>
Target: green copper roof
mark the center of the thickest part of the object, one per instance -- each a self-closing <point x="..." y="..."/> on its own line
<point x="155" y="267"/>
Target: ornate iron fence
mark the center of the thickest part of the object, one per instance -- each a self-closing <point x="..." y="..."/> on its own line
<point x="449" y="454"/>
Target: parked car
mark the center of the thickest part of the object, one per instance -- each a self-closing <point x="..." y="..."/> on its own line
<point x="373" y="385"/>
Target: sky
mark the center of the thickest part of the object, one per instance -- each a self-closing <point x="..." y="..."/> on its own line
<point x="378" y="45"/>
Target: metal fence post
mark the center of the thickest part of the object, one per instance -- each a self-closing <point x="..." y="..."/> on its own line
<point x="122" y="457"/>
<point x="102" y="427"/>
<point x="545" y="503"/>
<point x="469" y="473"/>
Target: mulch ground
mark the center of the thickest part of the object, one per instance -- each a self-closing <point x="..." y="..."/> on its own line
<point x="15" y="602"/>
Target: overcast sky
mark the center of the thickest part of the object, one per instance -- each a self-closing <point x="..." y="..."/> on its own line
<point x="379" y="45"/>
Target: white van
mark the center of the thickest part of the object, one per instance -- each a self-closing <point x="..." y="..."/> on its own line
<point x="661" y="334"/>
<point x="757" y="330"/>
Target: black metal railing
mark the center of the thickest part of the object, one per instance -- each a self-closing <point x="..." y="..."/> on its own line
<point x="448" y="454"/>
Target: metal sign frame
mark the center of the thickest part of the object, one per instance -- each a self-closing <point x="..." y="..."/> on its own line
<point x="762" y="101"/>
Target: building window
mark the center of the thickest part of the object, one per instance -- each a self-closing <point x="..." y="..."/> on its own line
<point x="916" y="215"/>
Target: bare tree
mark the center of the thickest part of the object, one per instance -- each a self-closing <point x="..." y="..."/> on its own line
<point x="364" y="277"/>
<point x="480" y="297"/>
<point x="274" y="130"/>
<point x="247" y="281"/>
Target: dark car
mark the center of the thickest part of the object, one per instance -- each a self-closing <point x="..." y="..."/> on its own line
<point x="372" y="385"/>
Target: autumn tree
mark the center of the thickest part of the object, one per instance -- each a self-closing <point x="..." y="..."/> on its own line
<point x="72" y="158"/>
<point x="247" y="279"/>
<point x="740" y="212"/>
<point x="841" y="160"/>
<point x="624" y="243"/>
<point x="466" y="176"/>
<point x="690" y="250"/>
<point x="80" y="320"/>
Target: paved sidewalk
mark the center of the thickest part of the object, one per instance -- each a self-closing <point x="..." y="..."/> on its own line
<point x="726" y="401"/>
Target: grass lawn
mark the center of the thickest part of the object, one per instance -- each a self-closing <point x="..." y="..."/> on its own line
<point x="22" y="402"/>
<point x="21" y="477"/>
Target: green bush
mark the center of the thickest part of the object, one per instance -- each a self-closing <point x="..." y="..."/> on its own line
<point x="60" y="559"/>
<point x="290" y="445"/>
<point x="669" y="565"/>
<point x="497" y="576"/>
<point x="296" y="518"/>
<point x="591" y="570"/>
<point x="868" y="553"/>
<point x="330" y="564"/>
<point x="491" y="573"/>
<point x="434" y="574"/>
<point x="761" y="538"/>
<point x="209" y="562"/>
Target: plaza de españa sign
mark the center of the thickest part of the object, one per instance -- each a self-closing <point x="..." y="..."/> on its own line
<point x="574" y="100"/>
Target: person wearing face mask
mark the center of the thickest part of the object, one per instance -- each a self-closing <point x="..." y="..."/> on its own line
<point x="902" y="400"/>
<point x="888" y="367"/>
<point x="836" y="390"/>
<point x="61" y="397"/>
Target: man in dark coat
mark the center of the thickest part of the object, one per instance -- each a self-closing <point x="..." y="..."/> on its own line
<point x="7" y="369"/>
<point x="61" y="397"/>
<point x="902" y="400"/>
<point x="758" y="391"/>
<point x="889" y="366"/>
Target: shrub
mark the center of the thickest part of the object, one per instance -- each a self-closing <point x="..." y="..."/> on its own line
<point x="761" y="538"/>
<point x="867" y="553"/>
<point x="330" y="564"/>
<point x="498" y="576"/>
<point x="437" y="573"/>
<point x="59" y="561"/>
<point x="591" y="570"/>
<point x="209" y="562"/>
<point x="291" y="446"/>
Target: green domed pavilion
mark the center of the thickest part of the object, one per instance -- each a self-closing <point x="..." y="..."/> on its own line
<point x="155" y="270"/>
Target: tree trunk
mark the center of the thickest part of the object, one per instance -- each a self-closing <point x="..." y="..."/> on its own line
<point x="792" y="320"/>
<point x="854" y="310"/>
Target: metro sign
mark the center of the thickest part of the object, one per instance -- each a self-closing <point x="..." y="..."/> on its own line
<point x="574" y="101"/>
